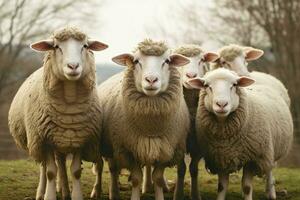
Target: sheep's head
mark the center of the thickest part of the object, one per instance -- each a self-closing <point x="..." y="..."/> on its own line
<point x="236" y="58"/>
<point x="70" y="52"/>
<point x="199" y="61"/>
<point x="151" y="63"/>
<point x="221" y="90"/>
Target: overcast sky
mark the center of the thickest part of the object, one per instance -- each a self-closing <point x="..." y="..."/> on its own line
<point x="123" y="23"/>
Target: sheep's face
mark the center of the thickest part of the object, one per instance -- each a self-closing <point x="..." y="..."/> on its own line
<point x="197" y="67"/>
<point x="239" y="64"/>
<point x="221" y="90"/>
<point x="71" y="59"/>
<point x="151" y="73"/>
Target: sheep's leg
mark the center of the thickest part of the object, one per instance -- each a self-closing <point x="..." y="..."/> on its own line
<point x="147" y="180"/>
<point x="158" y="181"/>
<point x="179" y="188"/>
<point x="136" y="176"/>
<point x="42" y="183"/>
<point x="97" y="170"/>
<point x="222" y="186"/>
<point x="51" y="173"/>
<point x="76" y="174"/>
<point x="62" y="183"/>
<point x="165" y="185"/>
<point x="247" y="183"/>
<point x="114" y="191"/>
<point x="270" y="186"/>
<point x="194" y="177"/>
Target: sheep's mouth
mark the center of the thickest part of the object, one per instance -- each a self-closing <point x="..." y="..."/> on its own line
<point x="222" y="113"/>
<point x="151" y="88"/>
<point x="73" y="75"/>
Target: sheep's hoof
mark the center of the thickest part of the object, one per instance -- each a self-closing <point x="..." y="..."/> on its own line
<point x="95" y="194"/>
<point x="66" y="198"/>
<point x="37" y="198"/>
<point x="178" y="195"/>
<point x="148" y="189"/>
<point x="196" y="197"/>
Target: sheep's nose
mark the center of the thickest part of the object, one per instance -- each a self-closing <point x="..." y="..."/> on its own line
<point x="73" y="66"/>
<point x="191" y="75"/>
<point x="151" y="79"/>
<point x="222" y="104"/>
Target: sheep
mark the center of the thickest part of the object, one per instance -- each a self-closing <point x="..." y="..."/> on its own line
<point x="57" y="112"/>
<point x="241" y="125"/>
<point x="198" y="66"/>
<point x="235" y="57"/>
<point x="146" y="119"/>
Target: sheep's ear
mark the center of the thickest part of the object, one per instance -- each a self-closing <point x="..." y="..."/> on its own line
<point x="245" y="81"/>
<point x="124" y="59"/>
<point x="95" y="45"/>
<point x="211" y="57"/>
<point x="178" y="60"/>
<point x="43" y="45"/>
<point x="197" y="83"/>
<point x="253" y="54"/>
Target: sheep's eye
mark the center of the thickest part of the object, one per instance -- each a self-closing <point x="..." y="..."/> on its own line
<point x="234" y="85"/>
<point x="166" y="62"/>
<point x="137" y="62"/>
<point x="85" y="46"/>
<point x="56" y="46"/>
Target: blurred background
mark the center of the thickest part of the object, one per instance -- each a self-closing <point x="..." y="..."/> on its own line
<point x="271" y="25"/>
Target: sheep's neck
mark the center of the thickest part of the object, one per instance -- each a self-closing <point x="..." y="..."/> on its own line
<point x="70" y="93"/>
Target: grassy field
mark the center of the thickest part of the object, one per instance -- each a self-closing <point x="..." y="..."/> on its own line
<point x="18" y="181"/>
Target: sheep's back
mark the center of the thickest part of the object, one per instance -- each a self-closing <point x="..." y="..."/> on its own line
<point x="271" y="81"/>
<point x="16" y="117"/>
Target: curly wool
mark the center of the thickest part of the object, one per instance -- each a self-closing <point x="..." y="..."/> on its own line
<point x="147" y="130"/>
<point x="69" y="32"/>
<point x="41" y="116"/>
<point x="259" y="132"/>
<point x="189" y="50"/>
<point x="151" y="48"/>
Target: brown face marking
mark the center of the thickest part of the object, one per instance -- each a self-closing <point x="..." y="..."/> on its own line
<point x="77" y="174"/>
<point x="50" y="175"/>
<point x="246" y="190"/>
<point x="220" y="187"/>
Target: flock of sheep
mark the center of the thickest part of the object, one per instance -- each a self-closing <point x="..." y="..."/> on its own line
<point x="166" y="103"/>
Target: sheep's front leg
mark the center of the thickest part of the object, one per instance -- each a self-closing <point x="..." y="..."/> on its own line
<point x="42" y="183"/>
<point x="158" y="181"/>
<point x="62" y="182"/>
<point x="97" y="170"/>
<point x="194" y="177"/>
<point x="247" y="183"/>
<point x="222" y="186"/>
<point x="270" y="186"/>
<point x="147" y="180"/>
<point x="76" y="174"/>
<point x="179" y="188"/>
<point x="114" y="191"/>
<point x="51" y="171"/>
<point x="136" y="176"/>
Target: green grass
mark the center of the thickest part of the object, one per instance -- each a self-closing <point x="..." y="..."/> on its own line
<point x="18" y="180"/>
